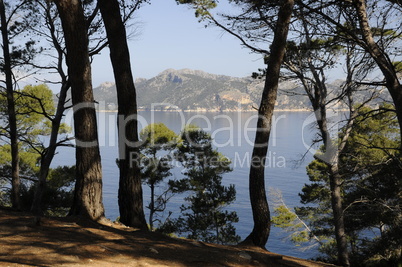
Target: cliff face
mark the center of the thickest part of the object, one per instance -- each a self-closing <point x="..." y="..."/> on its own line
<point x="200" y="91"/>
<point x="196" y="90"/>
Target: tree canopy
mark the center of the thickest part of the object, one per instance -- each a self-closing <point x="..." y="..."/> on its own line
<point x="371" y="193"/>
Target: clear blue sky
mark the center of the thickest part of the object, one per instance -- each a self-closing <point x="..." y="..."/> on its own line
<point x="171" y="37"/>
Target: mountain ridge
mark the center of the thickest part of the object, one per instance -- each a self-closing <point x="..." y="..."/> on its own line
<point x="197" y="90"/>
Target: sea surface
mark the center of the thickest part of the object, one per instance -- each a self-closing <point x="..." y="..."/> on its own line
<point x="233" y="133"/>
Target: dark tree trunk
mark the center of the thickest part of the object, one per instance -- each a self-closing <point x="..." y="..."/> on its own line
<point x="12" y="120"/>
<point x="259" y="204"/>
<point x="130" y="188"/>
<point x="88" y="187"/>
<point x="152" y="207"/>
<point x="337" y="209"/>
<point x="381" y="58"/>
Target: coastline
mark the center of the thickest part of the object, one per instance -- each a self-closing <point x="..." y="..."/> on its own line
<point x="207" y="111"/>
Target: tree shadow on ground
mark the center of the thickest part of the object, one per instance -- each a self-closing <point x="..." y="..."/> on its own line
<point x="74" y="241"/>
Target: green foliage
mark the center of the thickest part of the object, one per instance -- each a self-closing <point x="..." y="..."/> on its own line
<point x="28" y="170"/>
<point x="371" y="169"/>
<point x="398" y="66"/>
<point x="158" y="136"/>
<point x="154" y="170"/>
<point x="319" y="52"/>
<point x="33" y="104"/>
<point x="384" y="32"/>
<point x="34" y="112"/>
<point x="58" y="194"/>
<point x="201" y="7"/>
<point x="203" y="216"/>
<point x="289" y="221"/>
<point x="285" y="217"/>
<point x="155" y="167"/>
<point x="34" y="109"/>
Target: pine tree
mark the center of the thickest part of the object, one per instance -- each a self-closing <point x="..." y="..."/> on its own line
<point x="156" y="138"/>
<point x="371" y="170"/>
<point x="203" y="216"/>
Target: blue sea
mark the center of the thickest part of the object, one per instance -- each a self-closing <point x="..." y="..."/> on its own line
<point x="233" y="133"/>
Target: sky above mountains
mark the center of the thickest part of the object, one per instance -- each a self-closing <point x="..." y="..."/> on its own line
<point x="170" y="36"/>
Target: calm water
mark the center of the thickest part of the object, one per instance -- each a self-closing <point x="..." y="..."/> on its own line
<point x="233" y="135"/>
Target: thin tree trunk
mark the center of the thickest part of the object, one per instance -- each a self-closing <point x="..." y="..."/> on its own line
<point x="130" y="187"/>
<point x="48" y="155"/>
<point x="12" y="120"/>
<point x="88" y="187"/>
<point x="318" y="98"/>
<point x="152" y="208"/>
<point x="335" y="181"/>
<point x="383" y="61"/>
<point x="330" y="158"/>
<point x="261" y="214"/>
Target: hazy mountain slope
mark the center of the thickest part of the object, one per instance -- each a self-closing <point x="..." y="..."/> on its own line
<point x="191" y="90"/>
<point x="197" y="90"/>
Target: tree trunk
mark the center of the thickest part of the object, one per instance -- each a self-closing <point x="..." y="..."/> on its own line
<point x="152" y="207"/>
<point x="337" y="209"/>
<point x="88" y="187"/>
<point x="330" y="157"/>
<point x="381" y="58"/>
<point x="48" y="155"/>
<point x="130" y="187"/>
<point x="259" y="204"/>
<point x="12" y="120"/>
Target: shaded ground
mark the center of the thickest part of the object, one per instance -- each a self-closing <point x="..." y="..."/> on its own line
<point x="73" y="242"/>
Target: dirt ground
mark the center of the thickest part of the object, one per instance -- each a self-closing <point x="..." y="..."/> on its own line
<point x="74" y="242"/>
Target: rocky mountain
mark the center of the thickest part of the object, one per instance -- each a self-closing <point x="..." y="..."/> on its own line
<point x="194" y="90"/>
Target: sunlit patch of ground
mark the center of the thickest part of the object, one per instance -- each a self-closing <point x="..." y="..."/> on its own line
<point x="73" y="242"/>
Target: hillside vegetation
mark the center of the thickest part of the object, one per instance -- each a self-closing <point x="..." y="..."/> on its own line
<point x="195" y="90"/>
